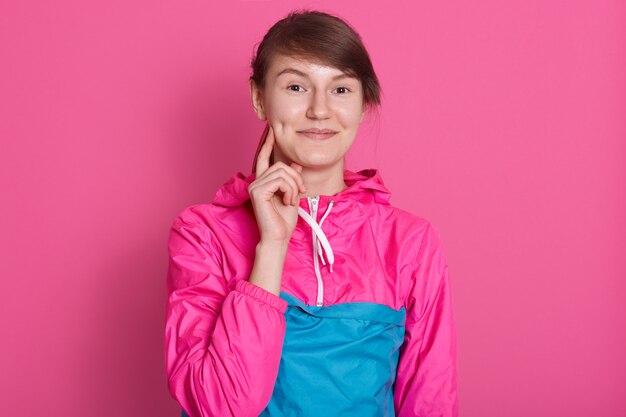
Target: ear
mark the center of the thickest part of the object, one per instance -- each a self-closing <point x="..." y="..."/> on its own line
<point x="257" y="100"/>
<point x="362" y="113"/>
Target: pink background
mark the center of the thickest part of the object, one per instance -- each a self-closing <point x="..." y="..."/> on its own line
<point x="503" y="123"/>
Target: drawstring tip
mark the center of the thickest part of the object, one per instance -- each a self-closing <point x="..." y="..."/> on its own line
<point x="322" y="258"/>
<point x="331" y="268"/>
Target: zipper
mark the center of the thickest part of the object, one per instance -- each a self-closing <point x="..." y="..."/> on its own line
<point x="320" y="284"/>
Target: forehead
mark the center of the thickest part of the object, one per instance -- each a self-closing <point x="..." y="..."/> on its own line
<point x="284" y="64"/>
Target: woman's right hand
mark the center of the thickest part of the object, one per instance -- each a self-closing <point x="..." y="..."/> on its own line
<point x="275" y="194"/>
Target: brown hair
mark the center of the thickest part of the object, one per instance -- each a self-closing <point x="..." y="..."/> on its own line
<point x="321" y="37"/>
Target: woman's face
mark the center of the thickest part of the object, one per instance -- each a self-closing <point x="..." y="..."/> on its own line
<point x="315" y="111"/>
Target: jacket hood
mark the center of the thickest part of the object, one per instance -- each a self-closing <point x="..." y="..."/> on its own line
<point x="365" y="185"/>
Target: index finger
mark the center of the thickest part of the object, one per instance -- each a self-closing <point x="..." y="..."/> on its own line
<point x="263" y="159"/>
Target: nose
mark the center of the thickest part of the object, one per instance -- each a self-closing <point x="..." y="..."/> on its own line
<point x="318" y="107"/>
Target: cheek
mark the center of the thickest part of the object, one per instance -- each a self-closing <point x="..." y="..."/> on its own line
<point x="283" y="116"/>
<point x="350" y="115"/>
<point x="284" y="109"/>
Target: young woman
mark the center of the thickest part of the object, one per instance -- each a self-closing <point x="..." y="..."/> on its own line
<point x="300" y="291"/>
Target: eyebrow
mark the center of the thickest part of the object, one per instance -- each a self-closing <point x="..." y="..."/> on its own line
<point x="305" y="75"/>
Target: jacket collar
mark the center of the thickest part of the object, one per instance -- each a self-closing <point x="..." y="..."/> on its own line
<point x="363" y="186"/>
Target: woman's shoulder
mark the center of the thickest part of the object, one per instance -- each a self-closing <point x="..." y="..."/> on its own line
<point x="230" y="196"/>
<point x="411" y="231"/>
<point x="370" y="182"/>
<point x="212" y="214"/>
<point x="404" y="219"/>
<point x="197" y="214"/>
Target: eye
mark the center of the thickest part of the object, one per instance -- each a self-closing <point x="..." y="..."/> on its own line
<point x="342" y="90"/>
<point x="295" y="87"/>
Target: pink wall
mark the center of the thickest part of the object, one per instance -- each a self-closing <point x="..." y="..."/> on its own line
<point x="503" y="123"/>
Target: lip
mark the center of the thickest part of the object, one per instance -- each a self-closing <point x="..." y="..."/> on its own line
<point x="318" y="134"/>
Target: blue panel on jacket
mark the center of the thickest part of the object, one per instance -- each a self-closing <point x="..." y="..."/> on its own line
<point x="338" y="360"/>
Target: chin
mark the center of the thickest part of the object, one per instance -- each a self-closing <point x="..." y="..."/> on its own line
<point x="318" y="162"/>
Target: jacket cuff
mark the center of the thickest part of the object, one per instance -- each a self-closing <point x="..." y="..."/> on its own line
<point x="261" y="294"/>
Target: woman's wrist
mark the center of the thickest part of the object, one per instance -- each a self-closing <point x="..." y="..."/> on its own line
<point x="272" y="246"/>
<point x="268" y="265"/>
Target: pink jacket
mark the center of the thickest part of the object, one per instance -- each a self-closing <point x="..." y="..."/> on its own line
<point x="363" y="325"/>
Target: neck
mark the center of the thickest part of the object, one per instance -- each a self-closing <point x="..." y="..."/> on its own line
<point x="323" y="182"/>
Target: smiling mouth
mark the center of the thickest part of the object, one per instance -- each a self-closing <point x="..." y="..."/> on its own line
<point x="318" y="134"/>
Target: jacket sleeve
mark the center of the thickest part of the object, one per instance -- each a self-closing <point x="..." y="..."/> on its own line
<point x="222" y="347"/>
<point x="426" y="380"/>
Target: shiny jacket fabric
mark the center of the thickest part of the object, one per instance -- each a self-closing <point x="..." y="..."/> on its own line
<point x="363" y="325"/>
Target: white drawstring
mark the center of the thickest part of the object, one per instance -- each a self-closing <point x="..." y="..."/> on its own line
<point x="319" y="246"/>
<point x="322" y="241"/>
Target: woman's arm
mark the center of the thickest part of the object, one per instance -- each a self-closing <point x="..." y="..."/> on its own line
<point x="222" y="348"/>
<point x="426" y="381"/>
